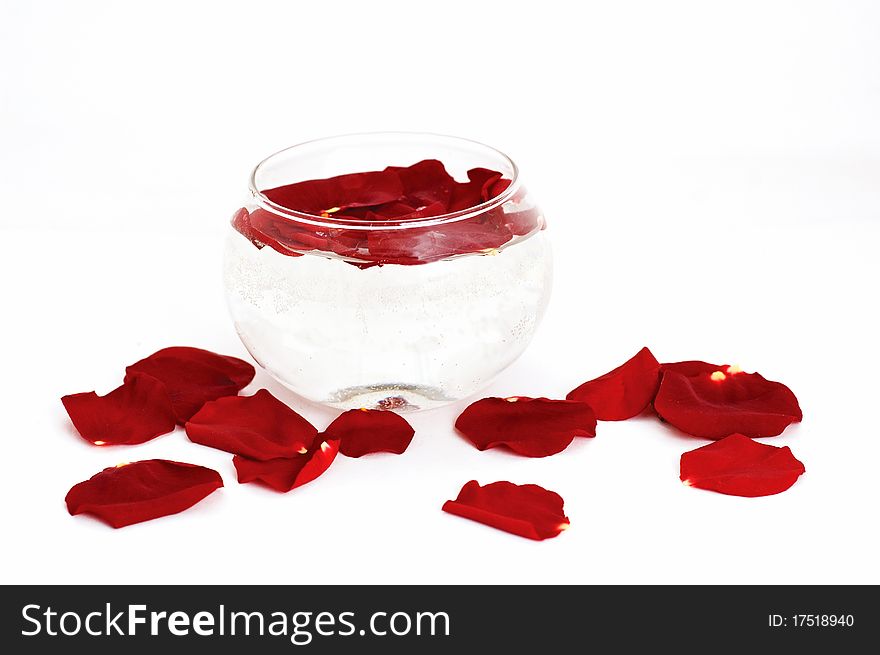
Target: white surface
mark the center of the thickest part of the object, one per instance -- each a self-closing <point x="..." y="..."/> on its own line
<point x="712" y="181"/>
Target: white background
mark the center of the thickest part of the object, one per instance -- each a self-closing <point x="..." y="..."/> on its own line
<point x="711" y="176"/>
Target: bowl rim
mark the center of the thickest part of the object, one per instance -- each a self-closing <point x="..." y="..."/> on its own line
<point x="342" y="222"/>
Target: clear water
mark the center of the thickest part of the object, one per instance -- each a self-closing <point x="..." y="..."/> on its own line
<point x="401" y="337"/>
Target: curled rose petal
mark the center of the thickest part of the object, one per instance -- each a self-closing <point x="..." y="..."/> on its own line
<point x="517" y="223"/>
<point x="284" y="474"/>
<point x="427" y="183"/>
<point x="479" y="188"/>
<point x="494" y="188"/>
<point x="526" y="510"/>
<point x="738" y="466"/>
<point x="136" y="412"/>
<point x="624" y="392"/>
<point x="706" y="400"/>
<point x="194" y="376"/>
<point x="141" y="491"/>
<point x="288" y="236"/>
<point x="242" y="221"/>
<point x="364" y="431"/>
<point x="332" y="194"/>
<point x="534" y="427"/>
<point x="259" y="427"/>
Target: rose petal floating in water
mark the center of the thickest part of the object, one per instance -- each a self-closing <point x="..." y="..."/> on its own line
<point x="334" y="194"/>
<point x="395" y="195"/>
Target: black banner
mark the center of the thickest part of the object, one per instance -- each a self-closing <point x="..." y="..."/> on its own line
<point x="400" y="619"/>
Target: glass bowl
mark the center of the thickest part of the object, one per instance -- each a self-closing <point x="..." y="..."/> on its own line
<point x="355" y="310"/>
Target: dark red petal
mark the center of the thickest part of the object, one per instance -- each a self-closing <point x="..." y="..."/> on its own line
<point x="388" y="210"/>
<point x="136" y="412"/>
<point x="426" y="182"/>
<point x="264" y="228"/>
<point x="396" y="211"/>
<point x="360" y="213"/>
<point x="526" y="510"/>
<point x="141" y="491"/>
<point x="336" y="193"/>
<point x="624" y="392"/>
<point x="364" y="431"/>
<point x="422" y="190"/>
<point x="738" y="466"/>
<point x="291" y="237"/>
<point x="534" y="427"/>
<point x="494" y="188"/>
<point x="517" y="223"/>
<point x="258" y="427"/>
<point x="194" y="376"/>
<point x="712" y="401"/>
<point x="284" y="474"/>
<point x="491" y="183"/>
<point x="473" y="192"/>
<point x="243" y="222"/>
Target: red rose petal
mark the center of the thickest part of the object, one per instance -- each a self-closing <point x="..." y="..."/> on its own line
<point x="194" y="376"/>
<point x="136" y="412"/>
<point x="364" y="431"/>
<point x="738" y="466"/>
<point x="386" y="211"/>
<point x="518" y="223"/>
<point x="427" y="182"/>
<point x="290" y="237"/>
<point x="333" y="194"/>
<point x="243" y="222"/>
<point x="258" y="427"/>
<point x="712" y="401"/>
<point x="284" y="474"/>
<point x="397" y="211"/>
<point x="483" y="184"/>
<point x="476" y="190"/>
<point x="141" y="491"/>
<point x="534" y="427"/>
<point x="526" y="510"/>
<point x="494" y="188"/>
<point x="624" y="392"/>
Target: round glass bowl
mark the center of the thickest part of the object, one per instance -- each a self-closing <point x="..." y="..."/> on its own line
<point x="381" y="307"/>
